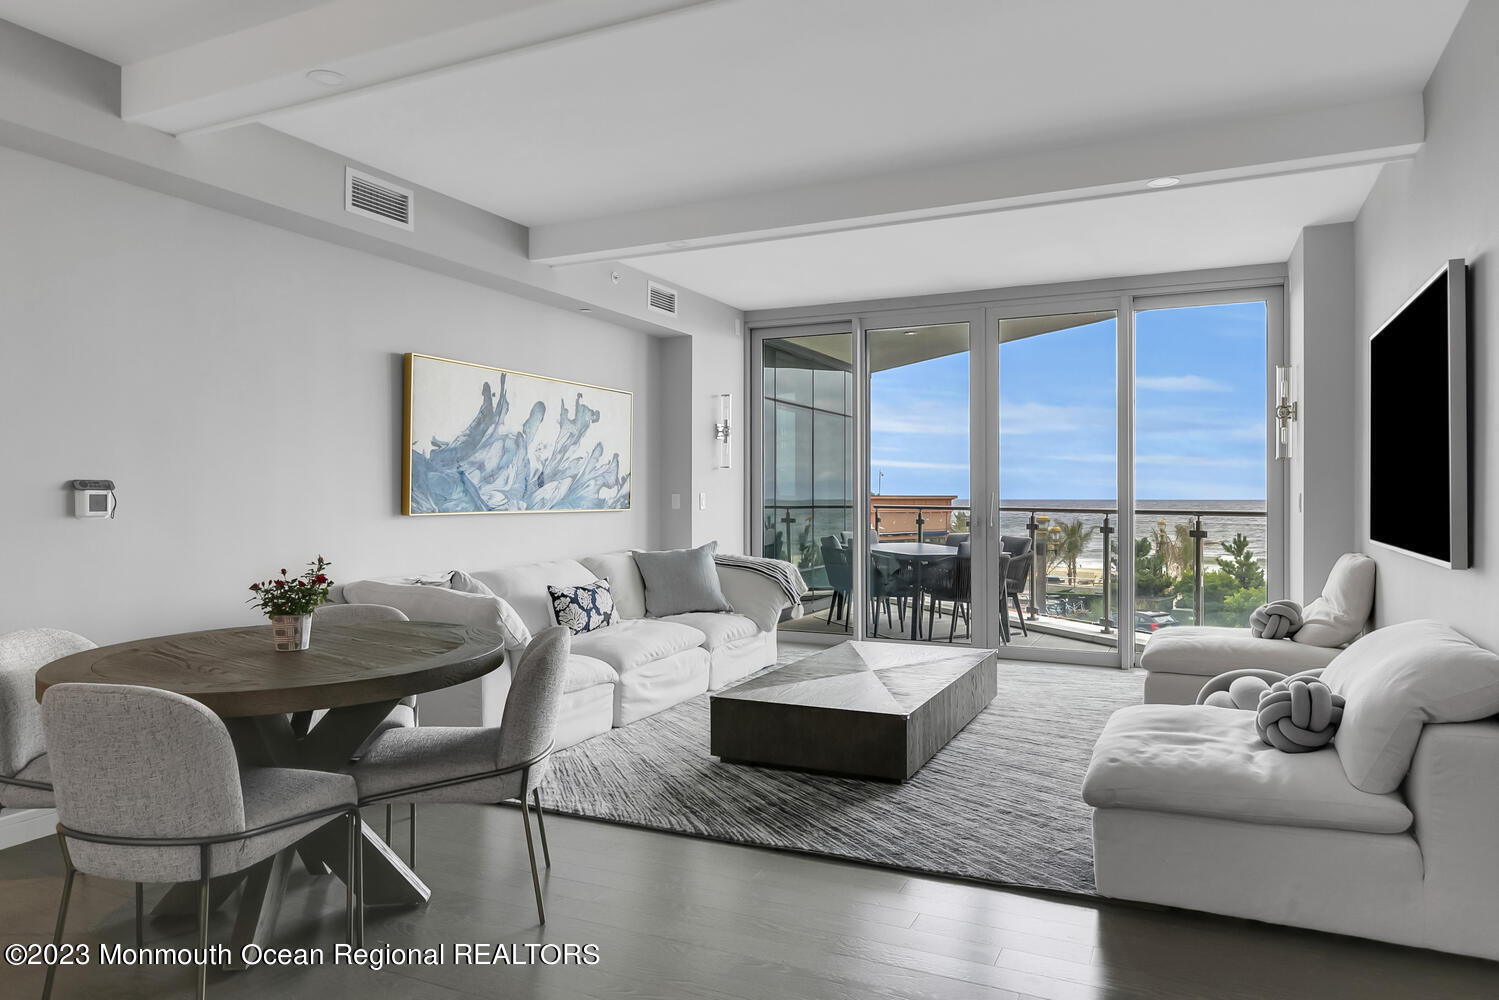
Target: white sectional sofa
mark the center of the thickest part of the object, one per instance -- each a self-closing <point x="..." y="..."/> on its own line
<point x="616" y="675"/>
<point x="1389" y="833"/>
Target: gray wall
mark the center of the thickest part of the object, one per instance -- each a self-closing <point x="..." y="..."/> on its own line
<point x="242" y="384"/>
<point x="1444" y="203"/>
<point x="1322" y="348"/>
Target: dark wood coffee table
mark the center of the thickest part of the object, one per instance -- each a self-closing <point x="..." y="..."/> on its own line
<point x="870" y="709"/>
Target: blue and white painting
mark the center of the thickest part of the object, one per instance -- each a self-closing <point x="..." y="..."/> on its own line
<point x="490" y="441"/>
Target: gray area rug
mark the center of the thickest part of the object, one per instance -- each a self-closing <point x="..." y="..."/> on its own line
<point x="1001" y="803"/>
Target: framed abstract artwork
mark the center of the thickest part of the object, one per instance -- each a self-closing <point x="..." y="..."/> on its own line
<point x="490" y="441"/>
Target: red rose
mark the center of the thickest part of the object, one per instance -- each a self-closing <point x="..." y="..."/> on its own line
<point x="320" y="578"/>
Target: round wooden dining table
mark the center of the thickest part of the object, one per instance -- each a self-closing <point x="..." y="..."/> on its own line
<point x="357" y="673"/>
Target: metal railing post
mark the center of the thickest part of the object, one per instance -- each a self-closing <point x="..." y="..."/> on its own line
<point x="1107" y="531"/>
<point x="1030" y="528"/>
<point x="920" y="524"/>
<point x="788" y="520"/>
<point x="1038" y="566"/>
<point x="1198" y="592"/>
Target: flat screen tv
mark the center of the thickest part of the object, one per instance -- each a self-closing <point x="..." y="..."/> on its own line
<point x="1418" y="423"/>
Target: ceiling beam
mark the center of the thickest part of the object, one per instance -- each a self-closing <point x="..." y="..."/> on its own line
<point x="241" y="77"/>
<point x="1225" y="149"/>
<point x="59" y="103"/>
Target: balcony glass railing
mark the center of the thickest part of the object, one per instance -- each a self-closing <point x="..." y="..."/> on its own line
<point x="1194" y="565"/>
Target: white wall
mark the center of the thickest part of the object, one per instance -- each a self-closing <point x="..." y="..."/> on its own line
<point x="1444" y="203"/>
<point x="1322" y="349"/>
<point x="242" y="385"/>
<point x="718" y="367"/>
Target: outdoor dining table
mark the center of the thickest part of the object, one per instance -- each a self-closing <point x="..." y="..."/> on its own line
<point x="918" y="554"/>
<point x="266" y="698"/>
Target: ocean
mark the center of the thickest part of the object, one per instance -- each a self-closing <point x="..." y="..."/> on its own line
<point x="1221" y="519"/>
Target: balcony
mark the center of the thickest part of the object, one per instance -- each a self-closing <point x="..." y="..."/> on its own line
<point x="1195" y="564"/>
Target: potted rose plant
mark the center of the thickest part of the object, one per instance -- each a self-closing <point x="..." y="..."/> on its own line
<point x="289" y="604"/>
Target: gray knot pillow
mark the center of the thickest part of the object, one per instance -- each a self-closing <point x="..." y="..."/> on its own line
<point x="1276" y="620"/>
<point x="1298" y="716"/>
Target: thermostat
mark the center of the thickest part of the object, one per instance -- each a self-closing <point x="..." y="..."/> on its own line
<point x="93" y="498"/>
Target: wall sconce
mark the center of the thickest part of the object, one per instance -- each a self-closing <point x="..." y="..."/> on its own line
<point x="721" y="430"/>
<point x="1286" y="411"/>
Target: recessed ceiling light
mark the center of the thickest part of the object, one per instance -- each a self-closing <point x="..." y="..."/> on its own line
<point x="584" y="309"/>
<point x="327" y="77"/>
<point x="910" y="333"/>
<point x="678" y="244"/>
<point x="1163" y="182"/>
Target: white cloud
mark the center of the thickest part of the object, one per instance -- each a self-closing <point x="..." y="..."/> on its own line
<point x="900" y="463"/>
<point x="1201" y="461"/>
<point x="927" y="424"/>
<point x="1180" y="383"/>
<point x="1051" y="418"/>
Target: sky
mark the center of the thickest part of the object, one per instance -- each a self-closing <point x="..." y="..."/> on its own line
<point x="1200" y="420"/>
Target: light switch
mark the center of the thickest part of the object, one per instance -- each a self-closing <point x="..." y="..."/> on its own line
<point x="702" y="501"/>
<point x="676" y="501"/>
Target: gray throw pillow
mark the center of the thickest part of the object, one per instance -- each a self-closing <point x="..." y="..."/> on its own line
<point x="681" y="581"/>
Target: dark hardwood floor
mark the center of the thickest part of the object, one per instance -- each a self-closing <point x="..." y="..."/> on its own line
<point x="674" y="917"/>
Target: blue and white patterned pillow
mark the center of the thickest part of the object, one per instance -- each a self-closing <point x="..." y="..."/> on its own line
<point x="583" y="609"/>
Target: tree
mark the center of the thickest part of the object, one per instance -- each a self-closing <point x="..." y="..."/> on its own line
<point x="1241" y="565"/>
<point x="1152" y="578"/>
<point x="1072" y="543"/>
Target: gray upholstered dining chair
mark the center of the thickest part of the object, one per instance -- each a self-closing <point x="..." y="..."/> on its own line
<point x="473" y="763"/>
<point x="404" y="715"/>
<point x="25" y="771"/>
<point x="1017" y="576"/>
<point x="148" y="790"/>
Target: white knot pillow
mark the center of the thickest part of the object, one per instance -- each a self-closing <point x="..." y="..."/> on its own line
<point x="1276" y="620"/>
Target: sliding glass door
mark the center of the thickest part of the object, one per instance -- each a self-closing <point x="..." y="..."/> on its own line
<point x="1206" y="534"/>
<point x="918" y="556"/>
<point x="1060" y="481"/>
<point x="805" y="389"/>
<point x="1056" y="450"/>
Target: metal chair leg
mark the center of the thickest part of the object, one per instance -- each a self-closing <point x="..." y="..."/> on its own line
<point x="412" y="820"/>
<point x="203" y="893"/>
<point x="359" y="895"/>
<point x="525" y="812"/>
<point x="541" y="824"/>
<point x="349" y="877"/>
<point x="62" y="916"/>
<point x="389" y="811"/>
<point x="1020" y="614"/>
<point x="140" y="915"/>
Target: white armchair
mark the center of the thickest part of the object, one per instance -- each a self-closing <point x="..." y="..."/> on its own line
<point x="1179" y="661"/>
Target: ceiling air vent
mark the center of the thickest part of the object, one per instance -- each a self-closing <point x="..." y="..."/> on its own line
<point x="662" y="299"/>
<point x="376" y="199"/>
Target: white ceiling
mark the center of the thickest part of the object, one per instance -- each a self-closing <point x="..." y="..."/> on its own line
<point x="1178" y="229"/>
<point x="619" y="119"/>
<point x="126" y="31"/>
<point x="748" y="95"/>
